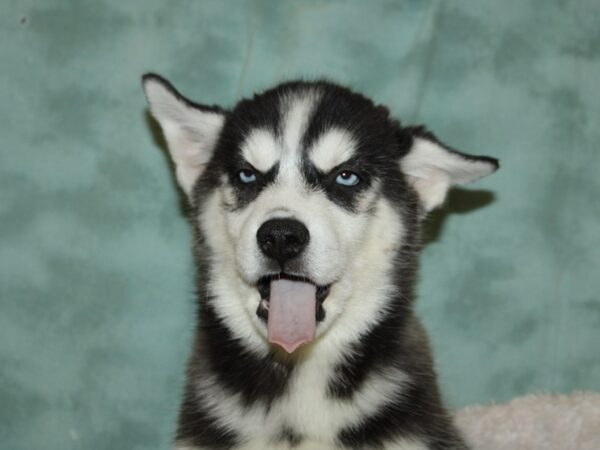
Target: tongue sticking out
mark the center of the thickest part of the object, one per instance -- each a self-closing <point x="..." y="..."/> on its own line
<point x="292" y="307"/>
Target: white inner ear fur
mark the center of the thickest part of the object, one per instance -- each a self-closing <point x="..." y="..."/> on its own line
<point x="191" y="133"/>
<point x="433" y="169"/>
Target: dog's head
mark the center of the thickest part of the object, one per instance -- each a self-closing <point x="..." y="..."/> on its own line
<point x="303" y="197"/>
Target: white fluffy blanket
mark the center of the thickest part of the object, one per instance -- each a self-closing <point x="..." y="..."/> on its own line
<point x="544" y="422"/>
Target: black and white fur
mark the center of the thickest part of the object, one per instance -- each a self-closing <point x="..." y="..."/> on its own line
<point x="367" y="380"/>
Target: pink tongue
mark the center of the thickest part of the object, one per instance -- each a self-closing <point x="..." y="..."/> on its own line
<point x="292" y="313"/>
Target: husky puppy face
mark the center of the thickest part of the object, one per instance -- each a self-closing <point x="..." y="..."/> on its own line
<point x="306" y="204"/>
<point x="303" y="194"/>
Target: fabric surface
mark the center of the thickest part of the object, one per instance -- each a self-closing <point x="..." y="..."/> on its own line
<point x="96" y="290"/>
<point x="535" y="422"/>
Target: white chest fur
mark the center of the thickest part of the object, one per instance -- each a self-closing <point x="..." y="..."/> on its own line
<point x="306" y="408"/>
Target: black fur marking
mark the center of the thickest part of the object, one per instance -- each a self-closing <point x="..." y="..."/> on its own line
<point x="290" y="436"/>
<point x="345" y="196"/>
<point x="245" y="193"/>
<point x="260" y="112"/>
<point x="375" y="349"/>
<point x="257" y="379"/>
<point x="197" y="428"/>
<point x="414" y="413"/>
<point x="417" y="410"/>
<point x="372" y="131"/>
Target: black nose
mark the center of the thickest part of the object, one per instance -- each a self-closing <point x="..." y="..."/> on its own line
<point x="282" y="239"/>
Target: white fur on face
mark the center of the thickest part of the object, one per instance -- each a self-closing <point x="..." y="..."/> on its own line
<point x="331" y="149"/>
<point x="260" y="149"/>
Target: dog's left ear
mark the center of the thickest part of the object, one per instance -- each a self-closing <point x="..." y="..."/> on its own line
<point x="191" y="130"/>
<point x="432" y="167"/>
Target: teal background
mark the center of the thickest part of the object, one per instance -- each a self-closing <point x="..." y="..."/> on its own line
<point x="96" y="275"/>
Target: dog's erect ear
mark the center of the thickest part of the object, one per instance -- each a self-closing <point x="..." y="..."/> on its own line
<point x="432" y="168"/>
<point x="191" y="130"/>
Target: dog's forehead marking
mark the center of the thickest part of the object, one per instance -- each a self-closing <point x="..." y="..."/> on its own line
<point x="296" y="112"/>
<point x="263" y="148"/>
<point x="332" y="148"/>
<point x="260" y="148"/>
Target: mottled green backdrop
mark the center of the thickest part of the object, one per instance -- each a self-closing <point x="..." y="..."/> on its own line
<point x="95" y="272"/>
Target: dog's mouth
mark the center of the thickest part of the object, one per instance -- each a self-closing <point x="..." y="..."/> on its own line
<point x="291" y="306"/>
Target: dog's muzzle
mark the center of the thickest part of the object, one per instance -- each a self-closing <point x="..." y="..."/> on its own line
<point x="291" y="304"/>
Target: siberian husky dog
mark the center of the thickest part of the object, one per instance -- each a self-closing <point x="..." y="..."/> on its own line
<point x="306" y="202"/>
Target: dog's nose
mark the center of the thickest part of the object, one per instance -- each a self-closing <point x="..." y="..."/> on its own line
<point x="282" y="239"/>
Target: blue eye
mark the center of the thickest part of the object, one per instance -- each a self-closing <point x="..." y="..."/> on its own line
<point x="247" y="176"/>
<point x="347" y="178"/>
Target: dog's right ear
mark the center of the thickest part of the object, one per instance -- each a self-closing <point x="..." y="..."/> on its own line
<point x="191" y="130"/>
